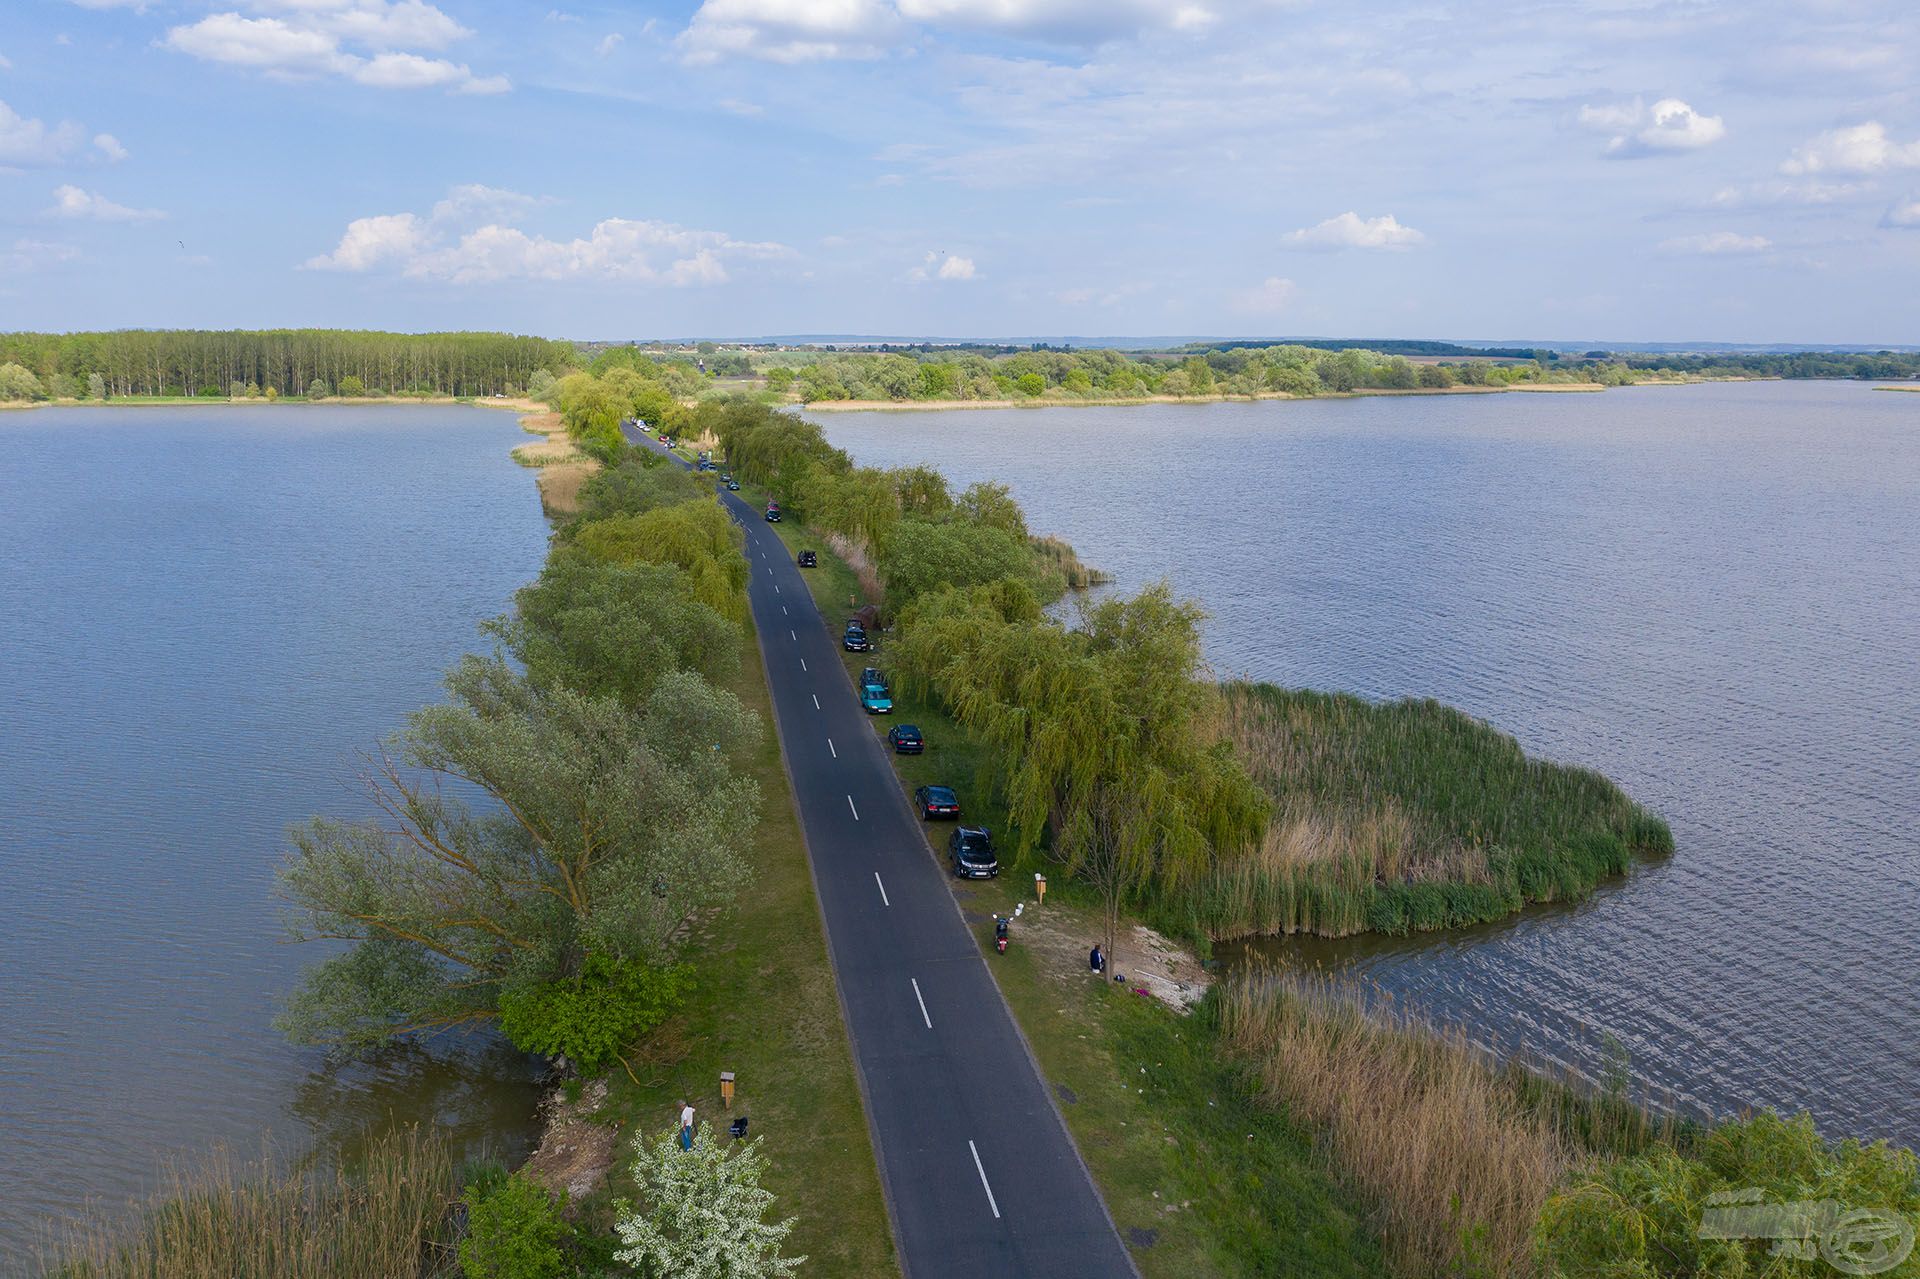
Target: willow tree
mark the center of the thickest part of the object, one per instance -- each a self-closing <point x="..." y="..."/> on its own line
<point x="699" y="537"/>
<point x="1102" y="735"/>
<point x="602" y="831"/>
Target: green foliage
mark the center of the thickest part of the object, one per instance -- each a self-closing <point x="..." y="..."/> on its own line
<point x="540" y="385"/>
<point x="613" y="630"/>
<point x="701" y="1212"/>
<point x="590" y="1016"/>
<point x="779" y="379"/>
<point x="699" y="537"/>
<point x="316" y="389"/>
<point x="919" y="558"/>
<point x="1030" y="384"/>
<point x="352" y="385"/>
<point x="592" y="411"/>
<point x="608" y="828"/>
<point x="641" y="481"/>
<point x="19" y="383"/>
<point x="514" y="1231"/>
<point x="96" y="387"/>
<point x="1643" y="1217"/>
<point x="991" y="505"/>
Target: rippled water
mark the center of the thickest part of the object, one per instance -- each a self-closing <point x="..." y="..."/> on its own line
<point x="1710" y="593"/>
<point x="204" y="616"/>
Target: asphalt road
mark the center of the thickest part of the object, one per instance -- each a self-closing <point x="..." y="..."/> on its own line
<point x="981" y="1176"/>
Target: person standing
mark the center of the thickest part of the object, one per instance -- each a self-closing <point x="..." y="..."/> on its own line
<point x="1095" y="960"/>
<point x="686" y="1125"/>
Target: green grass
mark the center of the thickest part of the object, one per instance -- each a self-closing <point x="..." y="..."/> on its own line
<point x="1199" y="1179"/>
<point x="766" y="1009"/>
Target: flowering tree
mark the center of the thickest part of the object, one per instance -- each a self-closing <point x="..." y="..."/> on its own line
<point x="701" y="1210"/>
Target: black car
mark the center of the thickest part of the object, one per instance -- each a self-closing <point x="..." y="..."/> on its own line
<point x="937" y="801"/>
<point x="733" y="486"/>
<point x="970" y="850"/>
<point x="855" y="640"/>
<point x="905" y="740"/>
<point x="773" y="515"/>
<point x="808" y="559"/>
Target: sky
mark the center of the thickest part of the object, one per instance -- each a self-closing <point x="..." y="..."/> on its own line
<point x="1580" y="170"/>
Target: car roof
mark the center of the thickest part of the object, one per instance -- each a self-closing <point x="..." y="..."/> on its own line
<point x="906" y="728"/>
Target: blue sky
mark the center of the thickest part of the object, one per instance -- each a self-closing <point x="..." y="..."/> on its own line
<point x="1606" y="171"/>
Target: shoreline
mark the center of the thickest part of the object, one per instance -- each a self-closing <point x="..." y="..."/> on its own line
<point x="193" y="401"/>
<point x="1522" y="388"/>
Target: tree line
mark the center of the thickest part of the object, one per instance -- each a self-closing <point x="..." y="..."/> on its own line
<point x="285" y="362"/>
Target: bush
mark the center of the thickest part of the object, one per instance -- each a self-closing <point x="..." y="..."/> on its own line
<point x="317" y="389"/>
<point x="1030" y="384"/>
<point x="352" y="385"/>
<point x="588" y="1018"/>
<point x="17" y="382"/>
<point x="514" y="1231"/>
<point x="702" y="1212"/>
<point x="1650" y="1215"/>
<point x="96" y="387"/>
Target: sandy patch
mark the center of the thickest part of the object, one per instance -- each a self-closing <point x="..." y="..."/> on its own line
<point x="575" y="1154"/>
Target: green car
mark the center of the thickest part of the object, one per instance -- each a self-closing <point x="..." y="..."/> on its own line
<point x="875" y="699"/>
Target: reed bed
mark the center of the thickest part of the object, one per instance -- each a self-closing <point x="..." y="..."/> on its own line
<point x="1407" y="816"/>
<point x="1456" y="1153"/>
<point x="387" y="1216"/>
<point x="854" y="553"/>
<point x="1056" y="555"/>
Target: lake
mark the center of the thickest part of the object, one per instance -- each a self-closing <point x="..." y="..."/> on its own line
<point x="205" y="616"/>
<point x="1710" y="593"/>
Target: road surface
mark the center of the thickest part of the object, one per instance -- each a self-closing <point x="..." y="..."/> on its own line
<point x="981" y="1175"/>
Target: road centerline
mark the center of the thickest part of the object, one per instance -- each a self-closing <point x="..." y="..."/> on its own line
<point x="922" y="999"/>
<point x="856" y="812"/>
<point x="883" y="890"/>
<point x="981" y="1169"/>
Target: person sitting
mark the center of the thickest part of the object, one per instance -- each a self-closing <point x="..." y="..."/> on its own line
<point x="1097" y="961"/>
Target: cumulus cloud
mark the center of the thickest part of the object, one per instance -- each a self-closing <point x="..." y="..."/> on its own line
<point x="1716" y="243"/>
<point x="446" y="245"/>
<point x="30" y="143"/>
<point x="310" y="38"/>
<point x="1904" y="214"/>
<point x="1069" y="21"/>
<point x="790" y="30"/>
<point x="1858" y="149"/>
<point x="74" y="203"/>
<point x="942" y="266"/>
<point x="1272" y="295"/>
<point x="1350" y="231"/>
<point x="608" y="43"/>
<point x="1638" y="130"/>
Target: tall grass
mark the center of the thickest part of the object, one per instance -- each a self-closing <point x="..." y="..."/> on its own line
<point x="1456" y="1153"/>
<point x="386" y="1216"/>
<point x="1056" y="555"/>
<point x="1407" y="816"/>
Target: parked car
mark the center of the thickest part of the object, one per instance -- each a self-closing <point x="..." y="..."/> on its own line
<point x="855" y="640"/>
<point x="733" y="486"/>
<point x="937" y="801"/>
<point x="875" y="700"/>
<point x="727" y="476"/>
<point x="872" y="675"/>
<point x="773" y="515"/>
<point x="808" y="559"/>
<point x="905" y="739"/>
<point x="970" y="850"/>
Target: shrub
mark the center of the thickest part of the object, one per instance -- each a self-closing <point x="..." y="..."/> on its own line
<point x="352" y="385"/>
<point x="17" y="382"/>
<point x="317" y="389"/>
<point x="702" y="1212"/>
<point x="539" y="386"/>
<point x="514" y="1231"/>
<point x="588" y="1018"/>
<point x="1030" y="384"/>
<point x="96" y="387"/>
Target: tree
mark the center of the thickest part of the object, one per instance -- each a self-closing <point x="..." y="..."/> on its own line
<point x="1030" y="384"/>
<point x="921" y="492"/>
<point x="699" y="537"/>
<point x="352" y="386"/>
<point x="613" y="630"/>
<point x="514" y="1231"/>
<point x="1102" y="735"/>
<point x="607" y="828"/>
<point x="539" y="386"/>
<point x="702" y="1210"/>
<point x="779" y="379"/>
<point x="316" y="390"/>
<point x="96" y="387"/>
<point x="19" y="383"/>
<point x="991" y="505"/>
<point x="919" y="558"/>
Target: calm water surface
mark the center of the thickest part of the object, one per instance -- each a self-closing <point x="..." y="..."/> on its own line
<point x="1710" y="593"/>
<point x="204" y="616"/>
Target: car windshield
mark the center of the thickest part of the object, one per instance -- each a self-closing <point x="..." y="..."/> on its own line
<point x="940" y="795"/>
<point x="907" y="730"/>
<point x="976" y="848"/>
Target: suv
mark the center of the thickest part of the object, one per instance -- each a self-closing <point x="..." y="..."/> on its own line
<point x="855" y="640"/>
<point x="970" y="851"/>
<point x="808" y="559"/>
<point x="905" y="740"/>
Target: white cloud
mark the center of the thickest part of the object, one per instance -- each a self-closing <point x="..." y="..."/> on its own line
<point x="608" y="43"/>
<point x="447" y="246"/>
<point x="1272" y="295"/>
<point x="790" y="30"/>
<point x="1072" y="21"/>
<point x="1859" y="148"/>
<point x="942" y="266"/>
<point x="1904" y="213"/>
<point x="6" y="63"/>
<point x="1775" y="194"/>
<point x="32" y="255"/>
<point x="108" y="145"/>
<point x="1716" y="243"/>
<point x="300" y="38"/>
<point x="734" y="106"/>
<point x="72" y="202"/>
<point x="1350" y="231"/>
<point x="30" y="143"/>
<point x="1668" y="125"/>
